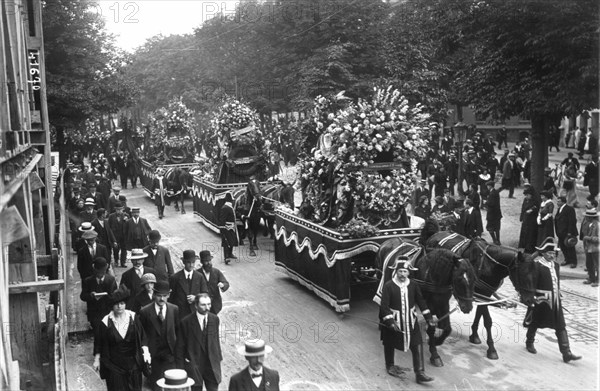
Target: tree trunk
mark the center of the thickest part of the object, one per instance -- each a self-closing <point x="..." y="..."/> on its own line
<point x="540" y="125"/>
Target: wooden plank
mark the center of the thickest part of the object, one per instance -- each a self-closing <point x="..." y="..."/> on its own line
<point x="48" y="366"/>
<point x="36" y="286"/>
<point x="25" y="336"/>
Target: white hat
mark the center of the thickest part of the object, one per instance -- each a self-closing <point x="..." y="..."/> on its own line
<point x="138" y="253"/>
<point x="254" y="348"/>
<point x="175" y="378"/>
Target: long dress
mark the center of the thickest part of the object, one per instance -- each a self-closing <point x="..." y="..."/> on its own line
<point x="545" y="221"/>
<point x="529" y="226"/>
<point x="569" y="187"/>
<point x="120" y="357"/>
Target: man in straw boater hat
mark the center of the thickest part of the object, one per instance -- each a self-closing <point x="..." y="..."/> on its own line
<point x="89" y="251"/>
<point x="547" y="310"/>
<point x="255" y="376"/>
<point x="132" y="278"/>
<point x="159" y="320"/>
<point x="175" y="379"/>
<point x="88" y="214"/>
<point x="398" y="322"/>
<point x="95" y="290"/>
<point x="589" y="236"/>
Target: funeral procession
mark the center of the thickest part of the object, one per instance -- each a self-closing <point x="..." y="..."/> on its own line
<point x="290" y="195"/>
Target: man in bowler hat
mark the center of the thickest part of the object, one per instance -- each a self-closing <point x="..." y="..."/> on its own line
<point x="215" y="281"/>
<point x="95" y="291"/>
<point x="186" y="284"/>
<point x="159" y="257"/>
<point x="159" y="320"/>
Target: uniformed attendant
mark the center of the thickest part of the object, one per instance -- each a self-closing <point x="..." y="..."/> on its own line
<point x="159" y="191"/>
<point x="227" y="227"/>
<point x="400" y="328"/>
<point x="547" y="311"/>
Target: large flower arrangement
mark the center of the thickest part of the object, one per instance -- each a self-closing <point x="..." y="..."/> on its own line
<point x="385" y="129"/>
<point x="227" y="122"/>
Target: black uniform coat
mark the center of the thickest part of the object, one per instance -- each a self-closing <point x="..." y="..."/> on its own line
<point x="229" y="237"/>
<point x="199" y="350"/>
<point x="242" y="381"/>
<point x="85" y="261"/>
<point x="161" y="262"/>
<point x="132" y="281"/>
<point x="96" y="309"/>
<point x="215" y="276"/>
<point x="180" y="291"/>
<point x="391" y="300"/>
<point x="548" y="313"/>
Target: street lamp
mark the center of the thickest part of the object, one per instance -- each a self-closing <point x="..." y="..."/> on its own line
<point x="461" y="131"/>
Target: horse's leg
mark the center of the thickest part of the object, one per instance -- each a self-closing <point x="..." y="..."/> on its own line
<point x="181" y="199"/>
<point x="492" y="354"/>
<point x="446" y="330"/>
<point x="474" y="337"/>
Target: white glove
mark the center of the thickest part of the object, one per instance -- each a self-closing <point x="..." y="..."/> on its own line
<point x="146" y="354"/>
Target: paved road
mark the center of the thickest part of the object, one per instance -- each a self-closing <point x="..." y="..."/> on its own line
<point x="317" y="349"/>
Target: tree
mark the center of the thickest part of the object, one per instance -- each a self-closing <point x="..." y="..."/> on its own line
<point x="535" y="59"/>
<point x="82" y="67"/>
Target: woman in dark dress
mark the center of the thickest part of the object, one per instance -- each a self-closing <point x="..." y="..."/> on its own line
<point x="528" y="219"/>
<point x="119" y="344"/>
<point x="545" y="217"/>
<point x="423" y="210"/>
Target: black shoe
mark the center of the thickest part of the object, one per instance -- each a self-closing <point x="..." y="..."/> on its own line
<point x="232" y="257"/>
<point x="530" y="348"/>
<point x="570" y="357"/>
<point x="423" y="378"/>
<point x="573" y="266"/>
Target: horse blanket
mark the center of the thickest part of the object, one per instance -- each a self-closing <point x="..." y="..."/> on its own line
<point x="450" y="241"/>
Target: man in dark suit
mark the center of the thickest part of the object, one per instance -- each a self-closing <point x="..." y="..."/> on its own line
<point x="88" y="253"/>
<point x="186" y="284"/>
<point x="89" y="213"/>
<point x="565" y="223"/>
<point x="160" y="320"/>
<point x="449" y="201"/>
<point x="132" y="278"/>
<point x="508" y="181"/>
<point x="95" y="291"/>
<point x="470" y="221"/>
<point x="116" y="222"/>
<point x="159" y="257"/>
<point x="114" y="198"/>
<point x="255" y="376"/>
<point x="105" y="234"/>
<point x="420" y="191"/>
<point x="215" y="280"/>
<point x="95" y="195"/>
<point x="494" y="214"/>
<point x="136" y="230"/>
<point x="198" y="348"/>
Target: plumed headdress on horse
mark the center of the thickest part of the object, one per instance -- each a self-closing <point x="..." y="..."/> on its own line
<point x="402" y="262"/>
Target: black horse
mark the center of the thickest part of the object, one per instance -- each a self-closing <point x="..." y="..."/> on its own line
<point x="492" y="263"/>
<point x="180" y="181"/>
<point x="440" y="274"/>
<point x="257" y="215"/>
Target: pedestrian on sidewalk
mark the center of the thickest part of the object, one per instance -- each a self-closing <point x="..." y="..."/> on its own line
<point x="159" y="257"/>
<point x="565" y="223"/>
<point x="590" y="177"/>
<point x="508" y="181"/>
<point x="136" y="230"/>
<point x="398" y="321"/>
<point x="132" y="278"/>
<point x="95" y="290"/>
<point x="547" y="311"/>
<point x="545" y="217"/>
<point x="589" y="235"/>
<point x="186" y="284"/>
<point x="528" y="219"/>
<point x="255" y="375"/>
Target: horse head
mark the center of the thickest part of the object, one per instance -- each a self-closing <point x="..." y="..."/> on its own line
<point x="524" y="277"/>
<point x="463" y="283"/>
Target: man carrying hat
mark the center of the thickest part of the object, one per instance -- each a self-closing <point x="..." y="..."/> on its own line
<point x="88" y="253"/>
<point x="159" y="257"/>
<point x="589" y="235"/>
<point x="159" y="320"/>
<point x="215" y="281"/>
<point x="132" y="278"/>
<point x="547" y="310"/>
<point x="255" y="375"/>
<point x="565" y="224"/>
<point x="400" y="328"/>
<point x="95" y="290"/>
<point x="186" y="284"/>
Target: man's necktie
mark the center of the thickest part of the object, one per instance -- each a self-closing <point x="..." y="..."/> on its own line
<point x="138" y="272"/>
<point x="204" y="323"/>
<point x="161" y="317"/>
<point x="255" y="375"/>
<point x="92" y="252"/>
<point x="189" y="284"/>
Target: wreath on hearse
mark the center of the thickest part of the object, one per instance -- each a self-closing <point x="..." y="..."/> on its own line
<point x="365" y="163"/>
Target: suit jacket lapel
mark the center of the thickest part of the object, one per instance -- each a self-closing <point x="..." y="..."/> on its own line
<point x="196" y="328"/>
<point x="154" y="319"/>
<point x="183" y="283"/>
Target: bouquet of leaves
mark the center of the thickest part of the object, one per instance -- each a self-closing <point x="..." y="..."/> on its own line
<point x="356" y="229"/>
